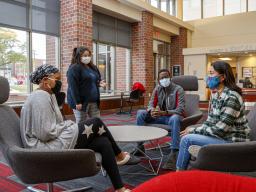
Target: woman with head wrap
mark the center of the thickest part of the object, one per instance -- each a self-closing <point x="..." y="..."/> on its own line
<point x="43" y="127"/>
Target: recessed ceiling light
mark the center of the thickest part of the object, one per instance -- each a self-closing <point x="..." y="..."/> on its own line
<point x="225" y="58"/>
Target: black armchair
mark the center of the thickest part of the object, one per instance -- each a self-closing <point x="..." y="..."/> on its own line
<point x="192" y="111"/>
<point x="231" y="157"/>
<point x="39" y="166"/>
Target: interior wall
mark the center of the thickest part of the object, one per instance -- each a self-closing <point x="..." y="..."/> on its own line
<point x="196" y="65"/>
<point x="224" y="30"/>
<point x="246" y="62"/>
<point x="237" y="64"/>
<point x="233" y="63"/>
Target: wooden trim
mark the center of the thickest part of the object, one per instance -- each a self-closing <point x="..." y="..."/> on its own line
<point x="111" y="104"/>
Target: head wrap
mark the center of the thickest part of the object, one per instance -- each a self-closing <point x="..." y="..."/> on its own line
<point x="41" y="72"/>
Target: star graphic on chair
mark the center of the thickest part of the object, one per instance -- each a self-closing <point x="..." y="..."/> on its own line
<point x="87" y="130"/>
<point x="101" y="130"/>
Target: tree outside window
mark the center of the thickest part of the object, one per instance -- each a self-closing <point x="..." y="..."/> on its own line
<point x="13" y="59"/>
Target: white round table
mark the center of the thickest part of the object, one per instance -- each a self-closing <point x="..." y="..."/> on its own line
<point x="135" y="133"/>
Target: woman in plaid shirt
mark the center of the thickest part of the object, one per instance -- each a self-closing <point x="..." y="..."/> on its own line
<point x="226" y="120"/>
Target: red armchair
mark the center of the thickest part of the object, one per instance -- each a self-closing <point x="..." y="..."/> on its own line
<point x="198" y="181"/>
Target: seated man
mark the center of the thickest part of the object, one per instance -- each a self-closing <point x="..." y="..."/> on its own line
<point x="166" y="106"/>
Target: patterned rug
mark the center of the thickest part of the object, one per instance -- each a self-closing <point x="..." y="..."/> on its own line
<point x="10" y="183"/>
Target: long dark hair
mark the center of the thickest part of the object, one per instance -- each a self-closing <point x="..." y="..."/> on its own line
<point x="225" y="69"/>
<point x="76" y="56"/>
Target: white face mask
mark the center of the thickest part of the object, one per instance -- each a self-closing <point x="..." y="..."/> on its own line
<point x="86" y="60"/>
<point x="165" y="82"/>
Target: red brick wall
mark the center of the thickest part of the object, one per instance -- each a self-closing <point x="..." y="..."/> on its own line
<point x="177" y="44"/>
<point x="121" y="68"/>
<point x="51" y="48"/>
<point x="76" y="30"/>
<point x="142" y="53"/>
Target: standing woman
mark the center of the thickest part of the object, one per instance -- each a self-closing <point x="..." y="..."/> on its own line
<point x="226" y="121"/>
<point x="84" y="80"/>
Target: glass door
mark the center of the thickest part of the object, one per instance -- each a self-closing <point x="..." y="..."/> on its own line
<point x="105" y="63"/>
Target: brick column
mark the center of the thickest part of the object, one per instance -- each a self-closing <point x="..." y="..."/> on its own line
<point x="142" y="53"/>
<point x="121" y="68"/>
<point x="51" y="50"/>
<point x="177" y="44"/>
<point x="76" y="30"/>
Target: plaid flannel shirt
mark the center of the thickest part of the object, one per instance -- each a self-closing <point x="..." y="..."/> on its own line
<point x="226" y="118"/>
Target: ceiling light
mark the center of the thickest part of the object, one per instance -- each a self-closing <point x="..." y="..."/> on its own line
<point x="225" y="58"/>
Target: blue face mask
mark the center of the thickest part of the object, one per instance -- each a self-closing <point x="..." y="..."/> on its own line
<point x="213" y="82"/>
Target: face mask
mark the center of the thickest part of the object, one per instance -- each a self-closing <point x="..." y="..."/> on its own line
<point x="56" y="89"/>
<point x="213" y="82"/>
<point x="165" y="82"/>
<point x="86" y="60"/>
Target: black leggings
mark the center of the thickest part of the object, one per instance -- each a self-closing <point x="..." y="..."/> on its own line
<point x="100" y="140"/>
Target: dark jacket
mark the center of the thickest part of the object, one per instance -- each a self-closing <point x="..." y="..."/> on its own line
<point x="79" y="85"/>
<point x="173" y="95"/>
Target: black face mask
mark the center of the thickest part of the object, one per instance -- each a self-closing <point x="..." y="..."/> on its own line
<point x="56" y="89"/>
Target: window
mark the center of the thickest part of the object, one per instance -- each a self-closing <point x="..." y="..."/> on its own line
<point x="196" y="9"/>
<point x="234" y="6"/>
<point x="110" y="30"/>
<point x="154" y="3"/>
<point x="168" y="6"/>
<point x="114" y="64"/>
<point x="251" y="5"/>
<point x="14" y="61"/>
<point x="212" y="8"/>
<point x="191" y="9"/>
<point x="105" y="63"/>
<point x="163" y="5"/>
<point x="162" y="57"/>
<point x="45" y="50"/>
<point x="172" y="7"/>
<point x="24" y="46"/>
<point x="111" y="52"/>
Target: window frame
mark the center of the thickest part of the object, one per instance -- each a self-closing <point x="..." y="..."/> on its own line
<point x="223" y="10"/>
<point x="172" y="12"/>
<point x="29" y="62"/>
<point x="29" y="46"/>
<point x="114" y="93"/>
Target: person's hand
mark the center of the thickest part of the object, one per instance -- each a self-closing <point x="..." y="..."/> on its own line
<point x="103" y="83"/>
<point x="156" y="113"/>
<point x="79" y="107"/>
<point x="186" y="131"/>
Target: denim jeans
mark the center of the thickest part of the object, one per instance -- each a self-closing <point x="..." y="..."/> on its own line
<point x="193" y="139"/>
<point x="173" y="121"/>
<point x="92" y="110"/>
